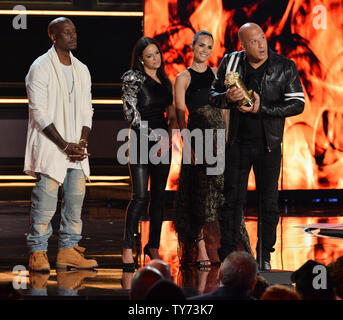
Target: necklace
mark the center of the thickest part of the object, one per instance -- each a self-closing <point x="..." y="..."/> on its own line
<point x="72" y="88"/>
<point x="72" y="74"/>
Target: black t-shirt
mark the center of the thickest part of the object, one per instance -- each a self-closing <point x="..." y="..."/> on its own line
<point x="153" y="99"/>
<point x="250" y="125"/>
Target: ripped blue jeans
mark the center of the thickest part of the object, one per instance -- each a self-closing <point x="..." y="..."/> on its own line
<point x="43" y="207"/>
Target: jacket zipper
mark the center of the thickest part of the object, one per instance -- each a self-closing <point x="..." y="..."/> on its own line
<point x="261" y="92"/>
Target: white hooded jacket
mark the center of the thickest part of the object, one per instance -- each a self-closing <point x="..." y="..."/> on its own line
<point x="47" y="93"/>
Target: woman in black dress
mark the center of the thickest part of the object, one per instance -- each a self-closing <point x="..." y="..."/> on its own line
<point x="147" y="94"/>
<point x="200" y="195"/>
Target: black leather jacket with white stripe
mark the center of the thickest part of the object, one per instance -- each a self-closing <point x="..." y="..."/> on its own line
<point x="281" y="94"/>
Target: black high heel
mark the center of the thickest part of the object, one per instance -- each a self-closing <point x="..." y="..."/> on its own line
<point x="137" y="242"/>
<point x="129" y="267"/>
<point x="203" y="265"/>
<point x="146" y="251"/>
<point x="128" y="271"/>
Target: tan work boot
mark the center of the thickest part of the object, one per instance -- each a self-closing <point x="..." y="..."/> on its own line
<point x="39" y="281"/>
<point x="73" y="257"/>
<point x="39" y="262"/>
<point x="73" y="280"/>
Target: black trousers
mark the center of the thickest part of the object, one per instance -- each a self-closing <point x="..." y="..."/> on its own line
<point x="266" y="165"/>
<point x="140" y="174"/>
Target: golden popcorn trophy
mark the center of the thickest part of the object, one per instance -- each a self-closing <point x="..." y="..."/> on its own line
<point x="232" y="79"/>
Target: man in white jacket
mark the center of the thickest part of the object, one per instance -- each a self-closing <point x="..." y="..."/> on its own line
<point x="60" y="119"/>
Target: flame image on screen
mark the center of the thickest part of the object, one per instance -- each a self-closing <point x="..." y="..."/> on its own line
<point x="308" y="32"/>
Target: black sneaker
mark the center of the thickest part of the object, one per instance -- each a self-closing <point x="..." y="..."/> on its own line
<point x="265" y="266"/>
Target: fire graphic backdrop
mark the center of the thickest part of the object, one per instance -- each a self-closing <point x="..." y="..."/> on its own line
<point x="308" y="32"/>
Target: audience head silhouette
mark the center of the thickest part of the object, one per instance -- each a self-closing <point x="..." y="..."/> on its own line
<point x="162" y="267"/>
<point x="313" y="281"/>
<point x="260" y="287"/>
<point x="335" y="269"/>
<point x="239" y="271"/>
<point x="165" y="290"/>
<point x="280" y="292"/>
<point x="143" y="280"/>
<point x="238" y="277"/>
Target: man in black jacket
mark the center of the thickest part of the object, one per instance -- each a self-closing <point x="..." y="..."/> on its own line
<point x="255" y="132"/>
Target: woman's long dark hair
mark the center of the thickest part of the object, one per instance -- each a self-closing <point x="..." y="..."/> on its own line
<point x="140" y="45"/>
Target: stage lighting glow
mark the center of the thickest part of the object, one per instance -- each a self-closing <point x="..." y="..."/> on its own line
<point x="88" y="184"/>
<point x="93" y="178"/>
<point x="73" y="13"/>
<point x="313" y="145"/>
<point x="94" y="101"/>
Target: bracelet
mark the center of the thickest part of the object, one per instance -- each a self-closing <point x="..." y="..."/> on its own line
<point x="65" y="147"/>
<point x="84" y="141"/>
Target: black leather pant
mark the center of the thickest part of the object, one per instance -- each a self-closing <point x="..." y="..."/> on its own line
<point x="266" y="165"/>
<point x="140" y="174"/>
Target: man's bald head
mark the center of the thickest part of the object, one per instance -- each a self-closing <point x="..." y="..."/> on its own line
<point x="62" y="33"/>
<point x="246" y="28"/>
<point x="143" y="280"/>
<point x="54" y="24"/>
<point x="239" y="271"/>
<point x="254" y="42"/>
<point x="161" y="266"/>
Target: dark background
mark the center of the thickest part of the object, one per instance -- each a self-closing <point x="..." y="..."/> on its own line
<point x="104" y="45"/>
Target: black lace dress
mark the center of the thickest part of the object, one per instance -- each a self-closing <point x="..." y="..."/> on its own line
<point x="200" y="196"/>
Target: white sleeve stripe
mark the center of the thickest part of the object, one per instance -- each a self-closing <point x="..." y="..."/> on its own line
<point x="233" y="63"/>
<point x="236" y="64"/>
<point x="298" y="98"/>
<point x="295" y="94"/>
<point x="230" y="63"/>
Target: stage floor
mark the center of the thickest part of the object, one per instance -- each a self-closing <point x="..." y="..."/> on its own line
<point x="102" y="240"/>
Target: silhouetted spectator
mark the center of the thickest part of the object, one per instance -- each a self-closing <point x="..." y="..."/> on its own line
<point x="143" y="280"/>
<point x="238" y="277"/>
<point x="165" y="290"/>
<point x="280" y="292"/>
<point x="335" y="269"/>
<point x="313" y="284"/>
<point x="261" y="285"/>
<point x="162" y="267"/>
<point x="7" y="292"/>
<point x="185" y="280"/>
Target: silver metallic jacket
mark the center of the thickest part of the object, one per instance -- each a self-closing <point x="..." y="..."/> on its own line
<point x="132" y="82"/>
